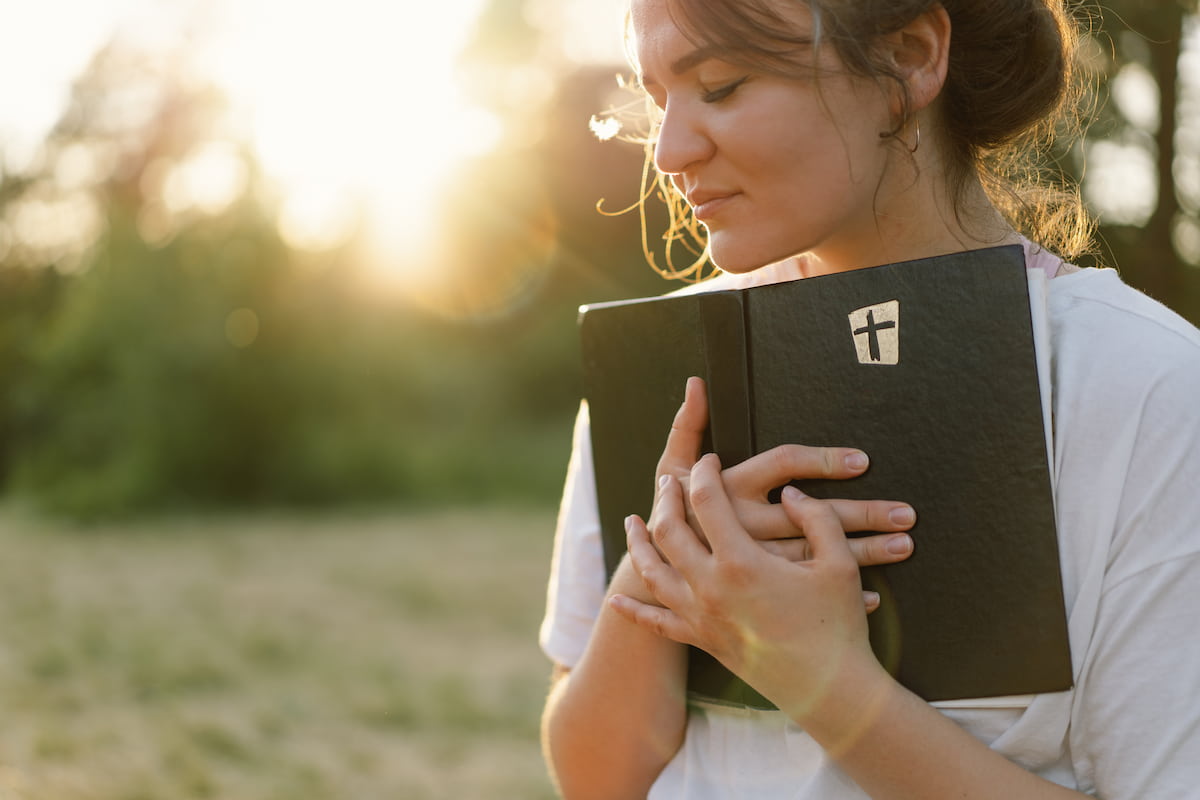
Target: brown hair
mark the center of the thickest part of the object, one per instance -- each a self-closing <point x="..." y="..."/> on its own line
<point x="1011" y="87"/>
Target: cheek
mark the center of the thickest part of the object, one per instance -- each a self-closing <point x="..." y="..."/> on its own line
<point x="817" y="167"/>
<point x="811" y="139"/>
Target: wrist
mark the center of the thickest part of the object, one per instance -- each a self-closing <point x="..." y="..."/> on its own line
<point x="843" y="709"/>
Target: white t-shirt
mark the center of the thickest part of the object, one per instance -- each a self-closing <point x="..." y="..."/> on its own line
<point x="1125" y="378"/>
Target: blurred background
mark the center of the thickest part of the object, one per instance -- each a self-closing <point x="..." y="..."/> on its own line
<point x="288" y="349"/>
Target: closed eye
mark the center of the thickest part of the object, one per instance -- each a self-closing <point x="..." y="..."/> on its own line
<point x="719" y="94"/>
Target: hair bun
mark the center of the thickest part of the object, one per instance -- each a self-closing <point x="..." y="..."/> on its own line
<point x="1010" y="67"/>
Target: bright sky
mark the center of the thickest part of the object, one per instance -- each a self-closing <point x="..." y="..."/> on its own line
<point x="352" y="101"/>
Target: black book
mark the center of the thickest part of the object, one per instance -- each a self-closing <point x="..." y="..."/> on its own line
<point x="928" y="366"/>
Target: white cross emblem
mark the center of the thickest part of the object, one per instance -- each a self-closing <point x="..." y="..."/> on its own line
<point x="876" y="332"/>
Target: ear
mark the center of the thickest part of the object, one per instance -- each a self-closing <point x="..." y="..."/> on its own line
<point x="920" y="52"/>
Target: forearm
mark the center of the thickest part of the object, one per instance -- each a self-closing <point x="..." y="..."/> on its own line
<point x="618" y="717"/>
<point x="898" y="747"/>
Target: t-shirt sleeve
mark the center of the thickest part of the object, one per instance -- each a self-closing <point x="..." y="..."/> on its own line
<point x="575" y="592"/>
<point x="1135" y="731"/>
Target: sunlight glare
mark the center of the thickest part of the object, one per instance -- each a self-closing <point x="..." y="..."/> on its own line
<point x="315" y="218"/>
<point x="353" y="105"/>
<point x="1136" y="95"/>
<point x="208" y="179"/>
<point x="1121" y="182"/>
<point x="1185" y="235"/>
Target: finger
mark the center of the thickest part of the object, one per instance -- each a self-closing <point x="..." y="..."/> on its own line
<point x="761" y="473"/>
<point x="713" y="509"/>
<point x="672" y="531"/>
<point x="871" y="601"/>
<point x="659" y="576"/>
<point x="770" y="521"/>
<point x="662" y="621"/>
<point x="795" y="549"/>
<point x="820" y="525"/>
<point x="883" y="549"/>
<point x="874" y="515"/>
<point x="867" y="550"/>
<point x="687" y="431"/>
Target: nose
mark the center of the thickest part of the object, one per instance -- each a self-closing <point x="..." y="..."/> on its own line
<point x="682" y="141"/>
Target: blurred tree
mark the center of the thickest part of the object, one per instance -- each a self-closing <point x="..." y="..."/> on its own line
<point x="1155" y="120"/>
<point x="168" y="350"/>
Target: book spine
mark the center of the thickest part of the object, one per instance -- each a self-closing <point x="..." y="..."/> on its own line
<point x="722" y="316"/>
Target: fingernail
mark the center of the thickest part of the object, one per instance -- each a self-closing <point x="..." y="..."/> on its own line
<point x="663" y="481"/>
<point x="871" y="599"/>
<point x="629" y="524"/>
<point x="792" y="493"/>
<point x="902" y="516"/>
<point x="899" y="545"/>
<point x="857" y="461"/>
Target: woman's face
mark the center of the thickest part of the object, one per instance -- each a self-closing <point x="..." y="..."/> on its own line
<point x="772" y="166"/>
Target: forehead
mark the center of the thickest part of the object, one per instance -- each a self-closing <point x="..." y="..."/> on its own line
<point x="654" y="31"/>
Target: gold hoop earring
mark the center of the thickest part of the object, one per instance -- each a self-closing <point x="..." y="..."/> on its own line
<point x="895" y="134"/>
<point x="917" y="143"/>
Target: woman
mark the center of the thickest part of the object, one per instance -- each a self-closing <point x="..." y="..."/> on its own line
<point x="821" y="136"/>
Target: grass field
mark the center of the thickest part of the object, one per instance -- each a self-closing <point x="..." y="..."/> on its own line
<point x="273" y="658"/>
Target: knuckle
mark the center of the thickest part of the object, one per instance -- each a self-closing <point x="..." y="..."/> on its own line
<point x="653" y="577"/>
<point x="783" y="458"/>
<point x="734" y="572"/>
<point x="650" y="578"/>
<point x="828" y="462"/>
<point x="872" y="552"/>
<point x="701" y="494"/>
<point x="822" y="511"/>
<point x="658" y="532"/>
<point x="844" y="570"/>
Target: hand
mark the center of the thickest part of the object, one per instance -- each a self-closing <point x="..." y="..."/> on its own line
<point x="749" y="483"/>
<point x="788" y="628"/>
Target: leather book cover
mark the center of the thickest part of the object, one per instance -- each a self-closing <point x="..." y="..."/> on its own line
<point x="929" y="367"/>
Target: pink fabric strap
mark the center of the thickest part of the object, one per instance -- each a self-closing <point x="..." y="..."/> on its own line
<point x="1038" y="257"/>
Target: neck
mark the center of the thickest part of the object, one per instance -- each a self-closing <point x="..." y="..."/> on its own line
<point x="916" y="216"/>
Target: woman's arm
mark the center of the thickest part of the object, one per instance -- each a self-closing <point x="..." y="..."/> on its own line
<point x="614" y="721"/>
<point x="727" y="595"/>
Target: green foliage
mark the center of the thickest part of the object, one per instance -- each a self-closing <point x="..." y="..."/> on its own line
<point x="131" y="393"/>
<point x="188" y="358"/>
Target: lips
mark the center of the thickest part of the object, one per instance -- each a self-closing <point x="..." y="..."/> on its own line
<point x="707" y="203"/>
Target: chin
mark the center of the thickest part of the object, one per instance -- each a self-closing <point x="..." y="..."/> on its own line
<point x="731" y="257"/>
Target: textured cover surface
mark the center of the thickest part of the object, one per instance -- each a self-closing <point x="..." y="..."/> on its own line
<point x="947" y="404"/>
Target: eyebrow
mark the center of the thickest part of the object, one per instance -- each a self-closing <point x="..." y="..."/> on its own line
<point x="702" y="54"/>
<point x="686" y="62"/>
<point x="693" y="59"/>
